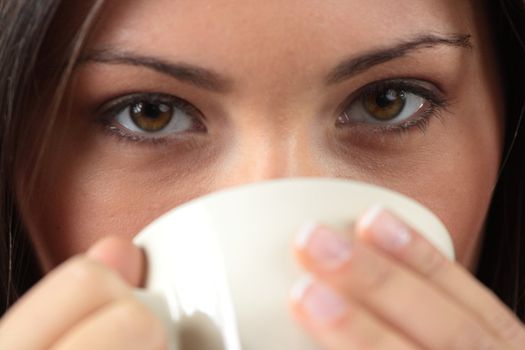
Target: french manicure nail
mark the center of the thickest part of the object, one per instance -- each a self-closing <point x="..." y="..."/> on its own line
<point x="385" y="228"/>
<point x="320" y="303"/>
<point x="323" y="245"/>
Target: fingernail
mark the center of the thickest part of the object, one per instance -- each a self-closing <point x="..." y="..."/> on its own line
<point x="323" y="245"/>
<point x="385" y="228"/>
<point x="319" y="302"/>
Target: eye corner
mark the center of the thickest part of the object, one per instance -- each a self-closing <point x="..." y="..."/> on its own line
<point x="150" y="122"/>
<point x="412" y="93"/>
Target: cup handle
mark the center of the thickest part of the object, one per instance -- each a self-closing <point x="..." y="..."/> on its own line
<point x="158" y="304"/>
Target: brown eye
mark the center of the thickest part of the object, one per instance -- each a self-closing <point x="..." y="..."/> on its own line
<point x="156" y="116"/>
<point x="388" y="106"/>
<point x="151" y="117"/>
<point x="384" y="105"/>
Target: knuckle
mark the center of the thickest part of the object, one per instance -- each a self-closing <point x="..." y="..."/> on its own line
<point x="430" y="263"/>
<point x="370" y="340"/>
<point x="361" y="331"/>
<point x="374" y="274"/>
<point x="354" y="331"/>
<point x="132" y="317"/>
<point x="471" y="336"/>
<point x="90" y="276"/>
<point x="506" y="326"/>
<point x="84" y="272"/>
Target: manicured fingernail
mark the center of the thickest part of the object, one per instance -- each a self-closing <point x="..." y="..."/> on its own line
<point x="323" y="245"/>
<point x="319" y="302"/>
<point x="385" y="228"/>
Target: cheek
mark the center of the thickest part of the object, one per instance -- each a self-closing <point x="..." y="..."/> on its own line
<point x="460" y="197"/>
<point x="459" y="183"/>
<point x="89" y="190"/>
<point x="452" y="169"/>
<point x="93" y="186"/>
<point x="80" y="202"/>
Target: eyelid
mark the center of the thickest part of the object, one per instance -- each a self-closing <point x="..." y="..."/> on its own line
<point x="419" y="87"/>
<point x="107" y="113"/>
<point x="111" y="108"/>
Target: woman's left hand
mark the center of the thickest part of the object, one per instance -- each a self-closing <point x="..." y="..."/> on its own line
<point x="390" y="289"/>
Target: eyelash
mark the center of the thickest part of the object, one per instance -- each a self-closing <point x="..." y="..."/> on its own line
<point x="108" y="112"/>
<point x="436" y="101"/>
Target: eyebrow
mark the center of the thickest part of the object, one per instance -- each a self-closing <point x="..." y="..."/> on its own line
<point x="200" y="77"/>
<point x="213" y="81"/>
<point x="355" y="65"/>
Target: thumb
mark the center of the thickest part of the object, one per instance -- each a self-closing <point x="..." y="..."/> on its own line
<point x="122" y="256"/>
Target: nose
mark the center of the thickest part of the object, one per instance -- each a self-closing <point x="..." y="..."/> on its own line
<point x="271" y="155"/>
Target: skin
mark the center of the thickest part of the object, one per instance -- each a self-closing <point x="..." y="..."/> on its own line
<point x="276" y="118"/>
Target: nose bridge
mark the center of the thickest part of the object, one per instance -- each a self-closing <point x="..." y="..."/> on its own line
<point x="272" y="134"/>
<point x="268" y="156"/>
<point x="273" y="153"/>
<point x="271" y="156"/>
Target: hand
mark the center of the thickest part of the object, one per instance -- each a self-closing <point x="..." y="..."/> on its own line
<point x="86" y="303"/>
<point x="390" y="289"/>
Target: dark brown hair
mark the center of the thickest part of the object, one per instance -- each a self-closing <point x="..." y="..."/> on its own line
<point x="26" y="26"/>
<point x="502" y="261"/>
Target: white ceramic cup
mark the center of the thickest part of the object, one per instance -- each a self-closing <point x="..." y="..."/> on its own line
<point x="220" y="268"/>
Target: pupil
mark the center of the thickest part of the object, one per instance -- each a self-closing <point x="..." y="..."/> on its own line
<point x="386" y="98"/>
<point x="151" y="111"/>
<point x="151" y="116"/>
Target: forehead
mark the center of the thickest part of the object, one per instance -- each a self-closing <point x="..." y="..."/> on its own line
<point x="306" y="26"/>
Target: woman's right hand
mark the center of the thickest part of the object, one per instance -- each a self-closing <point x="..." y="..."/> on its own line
<point x="86" y="303"/>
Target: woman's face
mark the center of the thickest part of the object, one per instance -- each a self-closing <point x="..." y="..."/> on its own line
<point x="175" y="99"/>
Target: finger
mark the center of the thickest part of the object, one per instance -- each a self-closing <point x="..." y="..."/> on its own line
<point x="122" y="256"/>
<point x="393" y="293"/>
<point x="67" y="295"/>
<point x="339" y="324"/>
<point x="125" y="324"/>
<point x="388" y="233"/>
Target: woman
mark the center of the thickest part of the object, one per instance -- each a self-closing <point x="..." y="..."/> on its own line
<point x="114" y="112"/>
